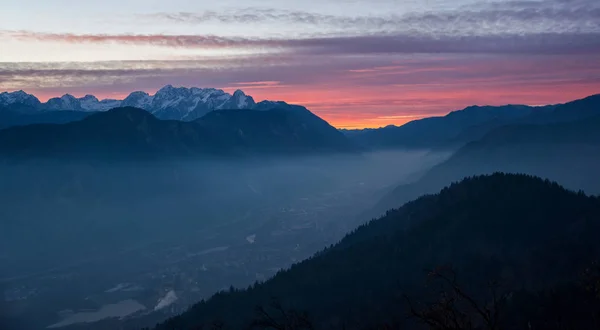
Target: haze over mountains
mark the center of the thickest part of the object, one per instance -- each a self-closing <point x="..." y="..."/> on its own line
<point x="528" y="235"/>
<point x="526" y="139"/>
<point x="198" y="206"/>
<point x="141" y="189"/>
<point x="560" y="142"/>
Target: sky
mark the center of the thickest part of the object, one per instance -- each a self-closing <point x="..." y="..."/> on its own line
<point x="355" y="63"/>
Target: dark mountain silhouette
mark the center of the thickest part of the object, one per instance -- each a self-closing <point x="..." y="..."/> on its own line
<point x="567" y="152"/>
<point x="529" y="234"/>
<point x="118" y="132"/>
<point x="10" y="117"/>
<point x="471" y="123"/>
<point x="435" y="131"/>
<point x="285" y="128"/>
<point x="450" y="131"/>
<point x="131" y="132"/>
<point x="571" y="111"/>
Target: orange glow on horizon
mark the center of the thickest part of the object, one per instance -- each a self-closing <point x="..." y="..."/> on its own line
<point x="357" y="107"/>
<point x="374" y="107"/>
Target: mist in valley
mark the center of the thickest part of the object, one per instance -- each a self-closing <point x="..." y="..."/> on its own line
<point x="83" y="242"/>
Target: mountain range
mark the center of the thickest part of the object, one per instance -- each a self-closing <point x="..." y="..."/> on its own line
<point x="188" y="104"/>
<point x="169" y="102"/>
<point x="175" y="121"/>
<point x="568" y="152"/>
<point x="130" y="132"/>
<point x="226" y="124"/>
<point x="532" y="233"/>
<point x="472" y="123"/>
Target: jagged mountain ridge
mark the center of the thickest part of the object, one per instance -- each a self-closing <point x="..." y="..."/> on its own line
<point x="7" y="98"/>
<point x="177" y="103"/>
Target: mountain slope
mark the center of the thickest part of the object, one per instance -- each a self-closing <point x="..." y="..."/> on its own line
<point x="131" y="133"/>
<point x="9" y="117"/>
<point x="436" y="131"/>
<point x="19" y="98"/>
<point x="281" y="129"/>
<point x="567" y="152"/>
<point x="118" y="132"/>
<point x="570" y="111"/>
<point x="472" y="123"/>
<point x="530" y="233"/>
<point x="187" y="103"/>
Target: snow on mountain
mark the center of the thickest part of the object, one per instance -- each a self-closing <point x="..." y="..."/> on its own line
<point x="214" y="98"/>
<point x="91" y="103"/>
<point x="65" y="102"/>
<point x="238" y="100"/>
<point x="175" y="102"/>
<point x="138" y="99"/>
<point x="86" y="103"/>
<point x="21" y="97"/>
<point x="178" y="103"/>
<point x="242" y="99"/>
<point x="192" y="103"/>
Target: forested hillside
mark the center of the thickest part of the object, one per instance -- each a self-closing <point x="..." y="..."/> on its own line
<point x="501" y="252"/>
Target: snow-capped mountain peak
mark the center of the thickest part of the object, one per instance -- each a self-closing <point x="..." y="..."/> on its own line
<point x="91" y="103"/>
<point x="65" y="102"/>
<point x="169" y="96"/>
<point x="9" y="98"/>
<point x="242" y="99"/>
<point x="166" y="89"/>
<point x="68" y="98"/>
<point x="239" y="100"/>
<point x="86" y="103"/>
<point x="89" y="98"/>
<point x="192" y="103"/>
<point x="138" y="99"/>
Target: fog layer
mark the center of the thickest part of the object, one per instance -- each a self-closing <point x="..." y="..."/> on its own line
<point x="71" y="231"/>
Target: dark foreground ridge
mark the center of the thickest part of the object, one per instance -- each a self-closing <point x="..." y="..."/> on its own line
<point x="517" y="252"/>
<point x="135" y="133"/>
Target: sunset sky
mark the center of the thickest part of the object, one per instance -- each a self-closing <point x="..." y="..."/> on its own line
<point x="355" y="63"/>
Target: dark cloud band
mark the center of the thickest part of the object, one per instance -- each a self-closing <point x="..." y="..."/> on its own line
<point x="546" y="43"/>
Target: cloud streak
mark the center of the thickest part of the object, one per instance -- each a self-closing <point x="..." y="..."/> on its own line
<point x="546" y="43"/>
<point x="506" y="27"/>
<point x="177" y="41"/>
<point x="553" y="16"/>
<point x="347" y="67"/>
